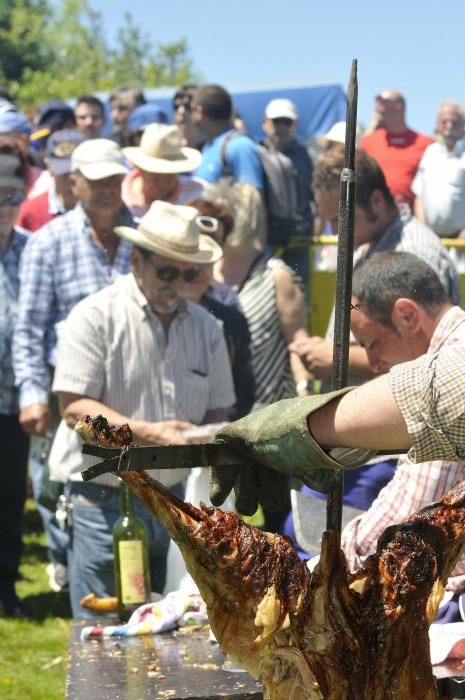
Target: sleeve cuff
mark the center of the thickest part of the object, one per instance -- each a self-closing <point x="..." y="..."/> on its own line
<point x="30" y="393"/>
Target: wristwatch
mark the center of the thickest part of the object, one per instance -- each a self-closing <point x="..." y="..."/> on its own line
<point x="304" y="385"/>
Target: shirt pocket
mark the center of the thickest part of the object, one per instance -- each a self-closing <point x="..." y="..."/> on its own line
<point x="193" y="399"/>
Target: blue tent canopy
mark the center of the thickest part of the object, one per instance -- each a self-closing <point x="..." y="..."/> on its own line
<point x="319" y="107"/>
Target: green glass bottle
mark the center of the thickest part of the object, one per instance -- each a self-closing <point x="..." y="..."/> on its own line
<point x="131" y="557"/>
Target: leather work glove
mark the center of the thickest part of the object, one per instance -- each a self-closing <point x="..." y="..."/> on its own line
<point x="277" y="443"/>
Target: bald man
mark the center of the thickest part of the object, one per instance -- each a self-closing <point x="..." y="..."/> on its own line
<point x="397" y="148"/>
<point x="439" y="184"/>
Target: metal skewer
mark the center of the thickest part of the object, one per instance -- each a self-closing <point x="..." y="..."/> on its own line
<point x="345" y="231"/>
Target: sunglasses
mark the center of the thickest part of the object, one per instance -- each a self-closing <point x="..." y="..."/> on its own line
<point x="170" y="273"/>
<point x="13" y="199"/>
<point x="282" y="121"/>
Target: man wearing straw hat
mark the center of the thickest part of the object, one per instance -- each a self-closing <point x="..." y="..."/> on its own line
<point x="159" y="162"/>
<point x="138" y="353"/>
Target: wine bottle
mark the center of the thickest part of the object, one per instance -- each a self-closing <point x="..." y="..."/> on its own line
<point x="131" y="559"/>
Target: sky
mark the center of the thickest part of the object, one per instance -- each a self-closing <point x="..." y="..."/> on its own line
<point x="414" y="46"/>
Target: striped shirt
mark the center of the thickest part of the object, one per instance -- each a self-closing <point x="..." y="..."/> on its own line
<point x="413" y="485"/>
<point x="113" y="349"/>
<point x="62" y="263"/>
<point x="270" y="356"/>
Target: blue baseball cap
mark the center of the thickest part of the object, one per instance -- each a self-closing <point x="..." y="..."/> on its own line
<point x="60" y="146"/>
<point x="146" y="114"/>
<point x="12" y="120"/>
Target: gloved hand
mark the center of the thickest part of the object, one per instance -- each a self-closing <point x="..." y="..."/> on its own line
<point x="277" y="438"/>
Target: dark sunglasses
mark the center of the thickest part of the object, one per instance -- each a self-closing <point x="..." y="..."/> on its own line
<point x="282" y="121"/>
<point x="14" y="199"/>
<point x="170" y="274"/>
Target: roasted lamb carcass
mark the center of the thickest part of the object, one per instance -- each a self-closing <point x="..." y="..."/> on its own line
<point x="327" y="635"/>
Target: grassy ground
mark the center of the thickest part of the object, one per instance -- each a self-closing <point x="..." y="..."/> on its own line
<point x="33" y="654"/>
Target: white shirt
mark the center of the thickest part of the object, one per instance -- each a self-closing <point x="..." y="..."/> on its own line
<point x="113" y="349"/>
<point x="440" y="182"/>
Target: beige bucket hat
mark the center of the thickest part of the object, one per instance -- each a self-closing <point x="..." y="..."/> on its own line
<point x="161" y="151"/>
<point x="173" y="231"/>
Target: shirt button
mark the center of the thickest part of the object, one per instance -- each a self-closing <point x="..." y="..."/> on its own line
<point x="460" y="452"/>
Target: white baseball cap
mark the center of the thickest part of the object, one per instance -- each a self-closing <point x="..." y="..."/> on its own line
<point x="98" y="158"/>
<point x="281" y="109"/>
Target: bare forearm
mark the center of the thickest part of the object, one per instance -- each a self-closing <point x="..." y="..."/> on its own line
<point x="367" y="417"/>
<point x="73" y="410"/>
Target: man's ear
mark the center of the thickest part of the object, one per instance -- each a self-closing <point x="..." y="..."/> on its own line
<point x="406" y="314"/>
<point x="377" y="201"/>
<point x="136" y="261"/>
<point x="73" y="182"/>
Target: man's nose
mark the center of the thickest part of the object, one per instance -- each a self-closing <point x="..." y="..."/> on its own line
<point x="376" y="363"/>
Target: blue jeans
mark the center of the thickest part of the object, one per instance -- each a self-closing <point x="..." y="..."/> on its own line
<point x="57" y="539"/>
<point x="90" y="550"/>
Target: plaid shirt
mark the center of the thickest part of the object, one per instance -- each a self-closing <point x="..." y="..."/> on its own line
<point x="9" y="288"/>
<point x="413" y="485"/>
<point x="62" y="263"/>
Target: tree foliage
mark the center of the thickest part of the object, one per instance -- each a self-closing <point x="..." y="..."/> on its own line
<point x="60" y="50"/>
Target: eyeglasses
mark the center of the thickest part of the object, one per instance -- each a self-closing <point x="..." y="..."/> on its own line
<point x="282" y="121"/>
<point x="13" y="199"/>
<point x="170" y="273"/>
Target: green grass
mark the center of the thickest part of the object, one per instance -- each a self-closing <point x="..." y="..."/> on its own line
<point x="33" y="653"/>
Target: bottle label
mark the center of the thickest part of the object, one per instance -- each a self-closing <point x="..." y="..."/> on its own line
<point x="131" y="572"/>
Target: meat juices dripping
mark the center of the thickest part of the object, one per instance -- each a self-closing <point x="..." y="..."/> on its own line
<point x="327" y="635"/>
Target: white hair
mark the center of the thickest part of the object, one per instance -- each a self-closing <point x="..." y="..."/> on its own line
<point x="246" y="205"/>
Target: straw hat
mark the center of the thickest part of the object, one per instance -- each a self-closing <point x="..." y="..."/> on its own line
<point x="172" y="231"/>
<point x="160" y="151"/>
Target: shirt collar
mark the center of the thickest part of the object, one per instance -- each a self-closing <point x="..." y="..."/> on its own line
<point x="448" y="324"/>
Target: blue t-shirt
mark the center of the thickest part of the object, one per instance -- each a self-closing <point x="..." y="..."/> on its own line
<point x="241" y="158"/>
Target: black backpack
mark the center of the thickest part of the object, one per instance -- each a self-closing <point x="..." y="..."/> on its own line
<point x="280" y="190"/>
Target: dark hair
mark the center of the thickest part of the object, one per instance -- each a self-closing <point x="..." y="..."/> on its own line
<point x="217" y="211"/>
<point x="215" y="101"/>
<point x="369" y="176"/>
<point x="143" y="252"/>
<point x="127" y="92"/>
<point x="184" y="95"/>
<point x="382" y="278"/>
<point x="91" y="100"/>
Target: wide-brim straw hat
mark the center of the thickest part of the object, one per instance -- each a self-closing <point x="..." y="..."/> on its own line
<point x="161" y="151"/>
<point x="172" y="231"/>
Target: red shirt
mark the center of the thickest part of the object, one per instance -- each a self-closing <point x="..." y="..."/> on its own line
<point x="34" y="213"/>
<point x="398" y="155"/>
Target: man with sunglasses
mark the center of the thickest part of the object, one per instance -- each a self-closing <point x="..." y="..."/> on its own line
<point x="138" y="352"/>
<point x="15" y="443"/>
<point x="397" y="148"/>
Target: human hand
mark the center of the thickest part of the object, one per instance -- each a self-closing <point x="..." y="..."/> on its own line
<point x="316" y="355"/>
<point x="165" y="432"/>
<point x="34" y="419"/>
<point x="277" y="439"/>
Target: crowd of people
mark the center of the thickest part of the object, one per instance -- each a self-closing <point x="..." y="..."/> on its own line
<point x="141" y="280"/>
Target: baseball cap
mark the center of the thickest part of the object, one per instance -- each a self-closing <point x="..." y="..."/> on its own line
<point x="12" y="172"/>
<point x="281" y="109"/>
<point x="59" y="148"/>
<point x="146" y="114"/>
<point x="12" y="120"/>
<point x="51" y="114"/>
<point x="98" y="158"/>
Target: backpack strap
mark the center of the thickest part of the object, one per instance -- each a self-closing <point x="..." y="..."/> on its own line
<point x="225" y="169"/>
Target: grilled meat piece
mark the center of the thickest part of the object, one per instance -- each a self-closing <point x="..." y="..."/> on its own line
<point x="329" y="635"/>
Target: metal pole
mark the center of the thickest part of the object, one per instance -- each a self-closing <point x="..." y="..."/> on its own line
<point x="345" y="254"/>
